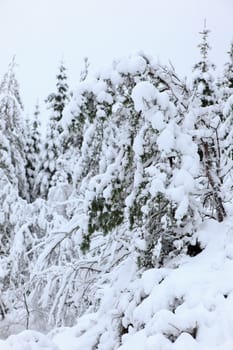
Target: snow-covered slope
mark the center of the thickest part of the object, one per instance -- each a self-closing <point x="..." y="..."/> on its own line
<point x="28" y="340"/>
<point x="186" y="305"/>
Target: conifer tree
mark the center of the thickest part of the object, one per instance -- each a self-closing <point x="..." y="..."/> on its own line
<point x="228" y="71"/>
<point x="114" y="182"/>
<point x="52" y="148"/>
<point x="12" y="160"/>
<point x="161" y="209"/>
<point x="84" y="72"/>
<point x="204" y="107"/>
<point x="13" y="183"/>
<point x="49" y="155"/>
<point x="226" y="126"/>
<point x="74" y="120"/>
<point x="203" y="80"/>
<point x="33" y="150"/>
<point x="114" y="179"/>
<point x="57" y="101"/>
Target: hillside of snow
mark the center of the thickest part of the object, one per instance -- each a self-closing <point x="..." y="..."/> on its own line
<point x="185" y="305"/>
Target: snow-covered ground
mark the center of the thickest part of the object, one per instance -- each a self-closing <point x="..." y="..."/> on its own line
<point x="186" y="306"/>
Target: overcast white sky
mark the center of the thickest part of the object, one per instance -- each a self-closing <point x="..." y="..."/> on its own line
<point x="41" y="32"/>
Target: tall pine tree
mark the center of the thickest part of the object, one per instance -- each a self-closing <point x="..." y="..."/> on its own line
<point x="203" y="106"/>
<point x="33" y="150"/>
<point x="56" y="102"/>
<point x="12" y="160"/>
<point x="226" y="127"/>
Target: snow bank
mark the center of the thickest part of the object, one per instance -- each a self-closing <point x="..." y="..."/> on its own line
<point x="28" y="340"/>
<point x="187" y="305"/>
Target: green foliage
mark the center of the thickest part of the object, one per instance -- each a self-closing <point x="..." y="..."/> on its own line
<point x="58" y="100"/>
<point x="106" y="215"/>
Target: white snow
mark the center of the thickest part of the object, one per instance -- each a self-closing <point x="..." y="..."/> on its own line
<point x="188" y="306"/>
<point x="157" y="120"/>
<point x="28" y="340"/>
<point x="166" y="141"/>
<point x="132" y="65"/>
<point x="143" y="94"/>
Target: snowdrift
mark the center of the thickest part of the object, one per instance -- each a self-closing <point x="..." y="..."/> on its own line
<point x="186" y="305"/>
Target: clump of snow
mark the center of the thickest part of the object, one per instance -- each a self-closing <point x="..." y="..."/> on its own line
<point x="163" y="100"/>
<point x="157" y="120"/>
<point x="28" y="340"/>
<point x="228" y="108"/>
<point x="166" y="141"/>
<point x="143" y="94"/>
<point x="138" y="145"/>
<point x="132" y="65"/>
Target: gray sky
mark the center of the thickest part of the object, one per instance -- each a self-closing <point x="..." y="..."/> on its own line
<point x="41" y="32"/>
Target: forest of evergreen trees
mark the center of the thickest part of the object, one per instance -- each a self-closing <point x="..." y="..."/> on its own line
<point x="133" y="161"/>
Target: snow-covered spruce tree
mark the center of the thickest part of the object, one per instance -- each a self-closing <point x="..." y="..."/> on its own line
<point x="162" y="210"/>
<point x="13" y="186"/>
<point x="33" y="150"/>
<point x="49" y="156"/>
<point x="77" y="112"/>
<point x="92" y="100"/>
<point x="84" y="72"/>
<point x="12" y="217"/>
<point x="227" y="80"/>
<point x="204" y="109"/>
<point x="57" y="101"/>
<point x="225" y="108"/>
<point x="115" y="183"/>
<point x="97" y="101"/>
<point x="12" y="160"/>
<point x="106" y="192"/>
<point x="94" y="120"/>
<point x="110" y="187"/>
<point x="49" y="173"/>
<point x="80" y="114"/>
